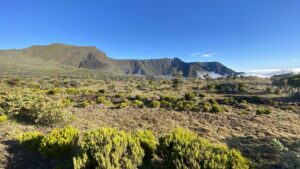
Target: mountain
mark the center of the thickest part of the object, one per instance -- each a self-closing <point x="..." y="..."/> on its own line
<point x="63" y="57"/>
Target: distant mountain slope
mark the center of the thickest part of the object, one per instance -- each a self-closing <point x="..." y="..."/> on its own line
<point x="66" y="56"/>
<point x="168" y="67"/>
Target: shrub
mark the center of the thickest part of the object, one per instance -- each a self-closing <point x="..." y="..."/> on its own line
<point x="84" y="103"/>
<point x="148" y="142"/>
<point x="184" y="149"/>
<point x="14" y="81"/>
<point x="3" y="118"/>
<point x="109" y="148"/>
<point x="60" y="142"/>
<point x="269" y="89"/>
<point x="168" y="98"/>
<point x="216" y="108"/>
<point x="263" y="111"/>
<point x="230" y="87"/>
<point x="205" y="106"/>
<point x="31" y="140"/>
<point x="277" y="91"/>
<point x="55" y="91"/>
<point x="155" y="104"/>
<point x="101" y="91"/>
<point x="35" y="108"/>
<point x="185" y="105"/>
<point x="138" y="103"/>
<point x="123" y="105"/>
<point x="103" y="100"/>
<point x="166" y="104"/>
<point x="202" y="95"/>
<point x="189" y="96"/>
<point x="140" y="97"/>
<point x="72" y="91"/>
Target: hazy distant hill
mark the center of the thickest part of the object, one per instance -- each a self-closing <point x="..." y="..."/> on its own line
<point x="60" y="57"/>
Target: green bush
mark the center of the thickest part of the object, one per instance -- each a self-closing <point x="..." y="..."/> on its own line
<point x="123" y="105"/>
<point x="35" y="108"/>
<point x="168" y="98"/>
<point x="109" y="148"/>
<point x="230" y="87"/>
<point x="101" y="91"/>
<point x="3" y="118"/>
<point x="182" y="149"/>
<point x="263" y="111"/>
<point x="14" y="81"/>
<point x="84" y="103"/>
<point x="104" y="101"/>
<point x="72" y="91"/>
<point x="138" y="103"/>
<point x="155" y="104"/>
<point x="55" y="91"/>
<point x="202" y="95"/>
<point x="148" y="142"/>
<point x="185" y="105"/>
<point x="277" y="91"/>
<point x="189" y="96"/>
<point x="60" y="142"/>
<point x="31" y="140"/>
<point x="269" y="89"/>
<point x="216" y="108"/>
<point x="205" y="106"/>
<point x="166" y="104"/>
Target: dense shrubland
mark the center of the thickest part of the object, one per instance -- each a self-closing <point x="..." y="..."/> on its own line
<point x="51" y="102"/>
<point x="111" y="148"/>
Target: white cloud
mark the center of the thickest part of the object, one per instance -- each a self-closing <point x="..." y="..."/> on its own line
<point x="205" y="55"/>
<point x="271" y="72"/>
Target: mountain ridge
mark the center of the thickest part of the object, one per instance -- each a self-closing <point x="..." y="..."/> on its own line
<point x="89" y="57"/>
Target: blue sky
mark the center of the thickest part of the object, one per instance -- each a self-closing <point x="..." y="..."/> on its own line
<point x="242" y="34"/>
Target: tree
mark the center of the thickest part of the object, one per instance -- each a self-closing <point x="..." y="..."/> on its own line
<point x="294" y="82"/>
<point x="207" y="79"/>
<point x="280" y="82"/>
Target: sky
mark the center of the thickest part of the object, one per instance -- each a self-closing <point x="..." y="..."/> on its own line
<point x="242" y="34"/>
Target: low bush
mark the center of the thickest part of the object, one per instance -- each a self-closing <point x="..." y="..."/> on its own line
<point x="189" y="96"/>
<point x="31" y="140"/>
<point x="185" y="105"/>
<point x="138" y="104"/>
<point x="123" y="105"/>
<point x="202" y="95"/>
<point x="60" y="142"/>
<point x="262" y="111"/>
<point x="205" y="106"/>
<point x="155" y="104"/>
<point x="55" y="91"/>
<point x="3" y="118"/>
<point x="72" y="91"/>
<point x="184" y="149"/>
<point x="269" y="89"/>
<point x="230" y="88"/>
<point x="166" y="104"/>
<point x="14" y="81"/>
<point x="35" y="108"/>
<point x="84" y="103"/>
<point x="104" y="101"/>
<point x="109" y="148"/>
<point x="277" y="91"/>
<point x="168" y="98"/>
<point x="148" y="142"/>
<point x="216" y="108"/>
<point x="101" y="91"/>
